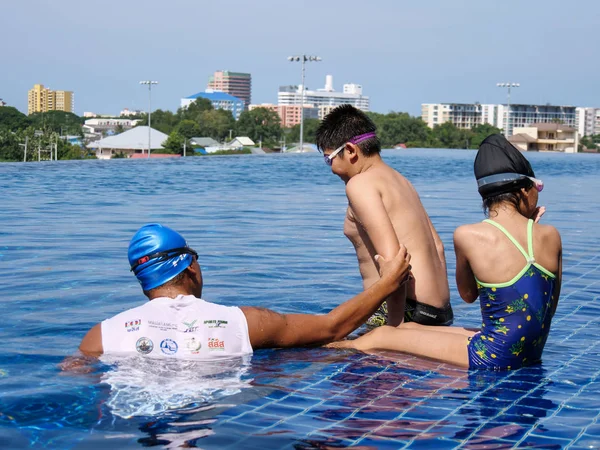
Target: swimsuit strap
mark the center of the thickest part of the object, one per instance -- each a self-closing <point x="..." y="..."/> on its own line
<point x="530" y="239"/>
<point x="527" y="256"/>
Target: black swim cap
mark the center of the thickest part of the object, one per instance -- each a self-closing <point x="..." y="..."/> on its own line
<point x="500" y="167"/>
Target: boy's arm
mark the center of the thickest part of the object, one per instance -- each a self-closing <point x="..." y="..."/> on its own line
<point x="368" y="208"/>
<point x="269" y="329"/>
<point x="439" y="245"/>
<point x="465" y="279"/>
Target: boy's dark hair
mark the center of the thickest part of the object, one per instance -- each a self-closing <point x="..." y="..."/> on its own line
<point x="344" y="123"/>
<point x="512" y="197"/>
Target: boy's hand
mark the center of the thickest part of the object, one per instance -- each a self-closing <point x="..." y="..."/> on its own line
<point x="397" y="269"/>
<point x="538" y="213"/>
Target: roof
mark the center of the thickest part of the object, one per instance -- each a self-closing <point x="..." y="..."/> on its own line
<point x="134" y="139"/>
<point x="153" y="155"/>
<point x="215" y="96"/>
<point x="552" y="127"/>
<point x="244" y="140"/>
<point x="521" y="137"/>
<point x="203" y="141"/>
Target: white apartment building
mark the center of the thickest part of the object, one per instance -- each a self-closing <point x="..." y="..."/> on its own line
<point x="324" y="99"/>
<point x="588" y="120"/>
<point x="467" y="115"/>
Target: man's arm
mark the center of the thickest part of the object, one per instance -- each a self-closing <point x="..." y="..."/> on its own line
<point x="269" y="329"/>
<point x="465" y="279"/>
<point x="91" y="344"/>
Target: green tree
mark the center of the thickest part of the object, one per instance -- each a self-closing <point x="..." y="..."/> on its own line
<point x="217" y="123"/>
<point x="260" y="124"/>
<point x="164" y="121"/>
<point x="310" y="131"/>
<point x="194" y="110"/>
<point x="188" y="129"/>
<point x="400" y="128"/>
<point x="59" y="122"/>
<point x="480" y="132"/>
<point x="448" y="135"/>
<point x="173" y="144"/>
<point x="12" y="119"/>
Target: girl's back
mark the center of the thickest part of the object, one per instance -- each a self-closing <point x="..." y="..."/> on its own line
<point x="515" y="263"/>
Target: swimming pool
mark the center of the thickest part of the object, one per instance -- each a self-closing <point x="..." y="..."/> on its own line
<point x="269" y="232"/>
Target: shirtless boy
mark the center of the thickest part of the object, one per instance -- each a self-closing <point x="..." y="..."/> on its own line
<point x="384" y="211"/>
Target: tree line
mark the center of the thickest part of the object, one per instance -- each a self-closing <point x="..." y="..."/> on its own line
<point x="200" y="119"/>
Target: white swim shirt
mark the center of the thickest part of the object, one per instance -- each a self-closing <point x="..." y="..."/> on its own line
<point x="185" y="327"/>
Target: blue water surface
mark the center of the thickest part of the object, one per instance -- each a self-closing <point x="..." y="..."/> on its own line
<point x="269" y="232"/>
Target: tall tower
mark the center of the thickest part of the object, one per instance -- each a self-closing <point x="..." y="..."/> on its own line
<point x="42" y="99"/>
<point x="237" y="84"/>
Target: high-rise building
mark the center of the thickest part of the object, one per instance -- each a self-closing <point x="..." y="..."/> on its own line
<point x="290" y="114"/>
<point x="42" y="99"/>
<point x="324" y="99"/>
<point x="588" y="120"/>
<point x="237" y="84"/>
<point x="467" y="115"/>
<point x="219" y="100"/>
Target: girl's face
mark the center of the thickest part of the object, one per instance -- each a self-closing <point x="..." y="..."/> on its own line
<point x="529" y="201"/>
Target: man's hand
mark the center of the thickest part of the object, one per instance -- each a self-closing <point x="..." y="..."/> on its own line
<point x="398" y="269"/>
<point x="538" y="213"/>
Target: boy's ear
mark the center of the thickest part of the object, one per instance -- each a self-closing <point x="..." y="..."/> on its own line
<point x="352" y="149"/>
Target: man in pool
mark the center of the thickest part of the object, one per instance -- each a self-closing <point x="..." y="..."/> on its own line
<point x="177" y="323"/>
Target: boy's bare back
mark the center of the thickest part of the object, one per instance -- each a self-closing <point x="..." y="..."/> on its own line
<point x="385" y="208"/>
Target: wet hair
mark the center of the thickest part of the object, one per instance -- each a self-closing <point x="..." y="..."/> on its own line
<point x="513" y="197"/>
<point x="176" y="280"/>
<point x="342" y="124"/>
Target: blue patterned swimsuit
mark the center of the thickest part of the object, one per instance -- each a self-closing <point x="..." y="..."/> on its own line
<point x="516" y="315"/>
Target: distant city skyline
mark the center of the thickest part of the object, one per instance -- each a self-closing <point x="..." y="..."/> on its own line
<point x="402" y="53"/>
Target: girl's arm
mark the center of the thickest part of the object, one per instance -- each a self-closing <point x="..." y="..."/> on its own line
<point x="465" y="279"/>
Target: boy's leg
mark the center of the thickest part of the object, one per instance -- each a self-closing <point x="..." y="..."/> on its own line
<point x="428" y="342"/>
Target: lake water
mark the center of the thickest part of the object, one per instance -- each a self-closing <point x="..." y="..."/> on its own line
<point x="269" y="233"/>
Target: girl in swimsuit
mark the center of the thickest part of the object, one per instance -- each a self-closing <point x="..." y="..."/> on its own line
<point x="509" y="261"/>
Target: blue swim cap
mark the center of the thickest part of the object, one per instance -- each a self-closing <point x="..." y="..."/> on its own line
<point x="158" y="254"/>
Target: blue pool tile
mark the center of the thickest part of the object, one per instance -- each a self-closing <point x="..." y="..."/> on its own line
<point x="585" y="443"/>
<point x="380" y="443"/>
<point x="298" y="401"/>
<point x="535" y="441"/>
<point x="277" y="409"/>
<point x="377" y="413"/>
<point x="426" y="412"/>
<point x="333" y="413"/>
<point x="236" y="411"/>
<point x="593" y="430"/>
<point x="438" y="443"/>
<point x="259" y="420"/>
<point x="343" y="432"/>
<point x="276" y="395"/>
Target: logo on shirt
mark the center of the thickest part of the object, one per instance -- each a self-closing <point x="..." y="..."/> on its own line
<point x="215" y="323"/>
<point x="134" y="325"/>
<point x="162" y="326"/>
<point x="193" y="345"/>
<point x="144" y="345"/>
<point x="216" y="344"/>
<point x="169" y="346"/>
<point x="190" y="327"/>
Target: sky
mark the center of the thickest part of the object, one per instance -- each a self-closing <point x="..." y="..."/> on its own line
<point x="403" y="53"/>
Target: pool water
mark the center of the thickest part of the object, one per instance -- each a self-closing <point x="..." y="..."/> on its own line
<point x="269" y="232"/>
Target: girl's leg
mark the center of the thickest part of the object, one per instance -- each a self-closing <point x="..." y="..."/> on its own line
<point x="468" y="332"/>
<point x="441" y="346"/>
